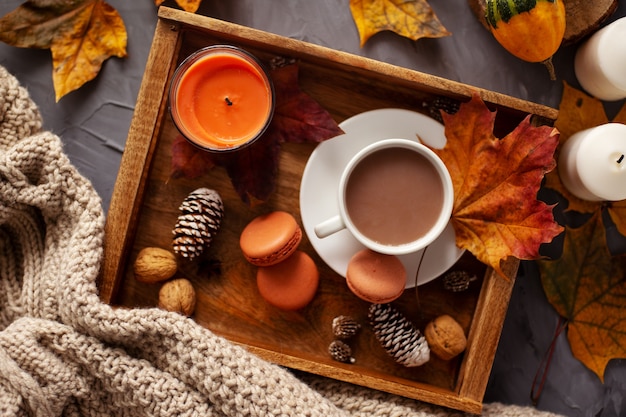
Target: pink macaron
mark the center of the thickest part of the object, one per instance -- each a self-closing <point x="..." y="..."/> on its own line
<point x="376" y="277"/>
<point x="290" y="284"/>
<point x="270" y="238"/>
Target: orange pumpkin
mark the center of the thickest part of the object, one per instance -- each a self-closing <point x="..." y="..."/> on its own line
<point x="531" y="30"/>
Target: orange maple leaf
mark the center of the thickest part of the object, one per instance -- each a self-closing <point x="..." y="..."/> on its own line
<point x="587" y="287"/>
<point x="413" y="19"/>
<point x="81" y="35"/>
<point x="496" y="213"/>
<point x="187" y="5"/>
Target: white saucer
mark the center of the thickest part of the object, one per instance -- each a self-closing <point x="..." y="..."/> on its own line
<point x="320" y="187"/>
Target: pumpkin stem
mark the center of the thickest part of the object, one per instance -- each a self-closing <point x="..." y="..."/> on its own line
<point x="550" y="67"/>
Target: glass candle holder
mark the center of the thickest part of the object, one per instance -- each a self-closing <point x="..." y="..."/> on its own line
<point x="221" y="98"/>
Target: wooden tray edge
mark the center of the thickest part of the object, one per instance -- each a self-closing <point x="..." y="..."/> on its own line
<point x="136" y="159"/>
<point x="485" y="331"/>
<point x="431" y="82"/>
<point x="417" y="391"/>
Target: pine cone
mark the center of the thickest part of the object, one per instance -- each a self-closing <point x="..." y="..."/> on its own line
<point x="457" y="281"/>
<point x="398" y="336"/>
<point x="340" y="351"/>
<point x="344" y="327"/>
<point x="199" y="221"/>
<point x="446" y="104"/>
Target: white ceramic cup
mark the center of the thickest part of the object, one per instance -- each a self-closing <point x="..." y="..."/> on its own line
<point x="343" y="220"/>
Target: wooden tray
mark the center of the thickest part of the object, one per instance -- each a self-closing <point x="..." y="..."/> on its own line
<point x="145" y="202"/>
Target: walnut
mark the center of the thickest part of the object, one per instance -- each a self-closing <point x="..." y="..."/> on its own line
<point x="154" y="265"/>
<point x="179" y="296"/>
<point x="445" y="337"/>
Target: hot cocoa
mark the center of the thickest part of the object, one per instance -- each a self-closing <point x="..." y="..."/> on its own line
<point x="394" y="196"/>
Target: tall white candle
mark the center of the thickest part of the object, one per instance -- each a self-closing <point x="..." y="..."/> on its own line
<point x="600" y="62"/>
<point x="592" y="163"/>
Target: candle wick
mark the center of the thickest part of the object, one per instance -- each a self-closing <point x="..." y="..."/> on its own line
<point x="621" y="158"/>
<point x="227" y="100"/>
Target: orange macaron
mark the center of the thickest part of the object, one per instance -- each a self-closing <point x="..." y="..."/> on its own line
<point x="376" y="277"/>
<point x="270" y="238"/>
<point x="290" y="284"/>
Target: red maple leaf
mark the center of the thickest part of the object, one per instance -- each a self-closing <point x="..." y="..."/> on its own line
<point x="496" y="213"/>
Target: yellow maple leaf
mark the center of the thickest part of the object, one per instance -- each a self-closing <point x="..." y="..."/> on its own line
<point x="579" y="111"/>
<point x="617" y="210"/>
<point x="80" y="34"/>
<point x="413" y="19"/>
<point x="187" y="5"/>
<point x="587" y="287"/>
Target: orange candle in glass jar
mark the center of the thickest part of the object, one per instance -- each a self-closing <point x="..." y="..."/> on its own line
<point x="221" y="98"/>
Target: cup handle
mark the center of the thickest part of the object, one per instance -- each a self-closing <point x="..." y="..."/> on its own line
<point x="329" y="227"/>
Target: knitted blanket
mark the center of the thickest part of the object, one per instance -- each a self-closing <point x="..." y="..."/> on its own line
<point x="65" y="353"/>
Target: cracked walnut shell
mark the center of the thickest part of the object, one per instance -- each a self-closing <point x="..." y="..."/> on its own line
<point x="178" y="296"/>
<point x="445" y="337"/>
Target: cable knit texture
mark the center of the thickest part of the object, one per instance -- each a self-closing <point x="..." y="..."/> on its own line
<point x="65" y="353"/>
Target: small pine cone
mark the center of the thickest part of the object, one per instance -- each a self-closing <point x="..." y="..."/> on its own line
<point x="457" y="281"/>
<point x="344" y="327"/>
<point x="398" y="336"/>
<point x="446" y="104"/>
<point x="200" y="219"/>
<point x="340" y="351"/>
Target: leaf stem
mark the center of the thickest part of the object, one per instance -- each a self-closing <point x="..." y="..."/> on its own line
<point x="417" y="273"/>
<point x="550" y="66"/>
<point x="544" y="366"/>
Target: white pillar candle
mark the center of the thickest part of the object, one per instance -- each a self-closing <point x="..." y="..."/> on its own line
<point x="600" y="62"/>
<point x="592" y="163"/>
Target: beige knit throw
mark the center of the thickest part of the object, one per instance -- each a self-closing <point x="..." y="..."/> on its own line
<point x="64" y="353"/>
